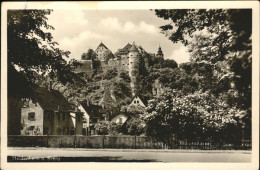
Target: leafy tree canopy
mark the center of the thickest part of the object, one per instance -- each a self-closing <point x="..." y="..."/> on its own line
<point x="32" y="51"/>
<point x="90" y="55"/>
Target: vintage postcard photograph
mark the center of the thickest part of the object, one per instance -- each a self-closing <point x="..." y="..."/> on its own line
<point x="149" y="85"/>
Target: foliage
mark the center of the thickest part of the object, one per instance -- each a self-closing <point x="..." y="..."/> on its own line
<point x="217" y="37"/>
<point x="135" y="126"/>
<point x="110" y="74"/>
<point x="101" y="128"/>
<point x="114" y="128"/>
<point x="125" y="76"/>
<point x="32" y="51"/>
<point x="107" y="128"/>
<point x="200" y="114"/>
<point x="90" y="55"/>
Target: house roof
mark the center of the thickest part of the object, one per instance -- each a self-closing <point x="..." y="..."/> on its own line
<point x="51" y="100"/>
<point x="91" y="109"/>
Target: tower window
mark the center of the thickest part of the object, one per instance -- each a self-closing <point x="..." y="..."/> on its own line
<point x="31" y="116"/>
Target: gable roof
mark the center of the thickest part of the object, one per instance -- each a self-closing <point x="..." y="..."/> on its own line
<point x="134" y="48"/>
<point x="91" y="109"/>
<point x="127" y="47"/>
<point x="102" y="45"/>
<point x="51" y="99"/>
<point x="142" y="98"/>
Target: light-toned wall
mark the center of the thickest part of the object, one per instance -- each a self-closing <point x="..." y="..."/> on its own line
<point x="116" y="119"/>
<point x="78" y="123"/>
<point x="36" y="108"/>
<point x="84" y="114"/>
<point x="137" y="102"/>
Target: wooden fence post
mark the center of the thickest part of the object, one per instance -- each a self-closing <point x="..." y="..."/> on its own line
<point x="103" y="141"/>
<point x="135" y="141"/>
<point x="47" y="143"/>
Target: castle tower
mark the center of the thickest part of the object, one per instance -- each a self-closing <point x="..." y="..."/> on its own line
<point x="134" y="68"/>
<point x="159" y="52"/>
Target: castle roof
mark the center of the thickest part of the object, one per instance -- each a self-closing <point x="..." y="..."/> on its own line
<point x="127" y="47"/>
<point x="134" y="48"/>
<point x="102" y="45"/>
<point x="159" y="51"/>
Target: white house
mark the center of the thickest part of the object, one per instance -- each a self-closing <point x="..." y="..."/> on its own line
<point x="120" y="118"/>
<point x="138" y="101"/>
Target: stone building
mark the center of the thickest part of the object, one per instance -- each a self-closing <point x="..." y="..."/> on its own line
<point x="129" y="58"/>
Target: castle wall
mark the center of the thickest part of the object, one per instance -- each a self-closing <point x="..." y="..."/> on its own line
<point x="86" y="67"/>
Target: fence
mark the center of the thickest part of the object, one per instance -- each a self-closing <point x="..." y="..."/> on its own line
<point x="117" y="142"/>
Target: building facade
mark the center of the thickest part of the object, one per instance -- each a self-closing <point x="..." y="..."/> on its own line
<point x="49" y="113"/>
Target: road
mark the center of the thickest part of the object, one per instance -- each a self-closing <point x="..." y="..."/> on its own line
<point x="124" y="155"/>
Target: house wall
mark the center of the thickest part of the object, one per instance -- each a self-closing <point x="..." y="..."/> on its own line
<point x="38" y="121"/>
<point x="137" y="102"/>
<point x="75" y="122"/>
<point x="117" y="118"/>
<point x="85" y="114"/>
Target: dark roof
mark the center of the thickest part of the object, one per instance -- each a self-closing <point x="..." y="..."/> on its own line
<point x="127" y="47"/>
<point x="133" y="48"/>
<point x="102" y="45"/>
<point x="159" y="51"/>
<point x="51" y="100"/>
<point x="91" y="109"/>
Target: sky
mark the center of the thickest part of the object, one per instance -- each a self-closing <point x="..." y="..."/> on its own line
<point x="79" y="30"/>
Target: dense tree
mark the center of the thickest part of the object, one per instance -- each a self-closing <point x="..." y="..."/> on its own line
<point x="110" y="74"/>
<point x="107" y="128"/>
<point x="90" y="55"/>
<point x="191" y="116"/>
<point x="216" y="36"/>
<point x="135" y="126"/>
<point x="31" y="51"/>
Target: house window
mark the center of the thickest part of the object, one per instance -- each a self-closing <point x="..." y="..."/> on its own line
<point x="31" y="116"/>
<point x="137" y="101"/>
<point x="134" y="101"/>
<point x="58" y="116"/>
<point x="120" y="120"/>
<point x="64" y="116"/>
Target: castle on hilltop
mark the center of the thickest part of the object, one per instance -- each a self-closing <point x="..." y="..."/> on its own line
<point x="127" y="59"/>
